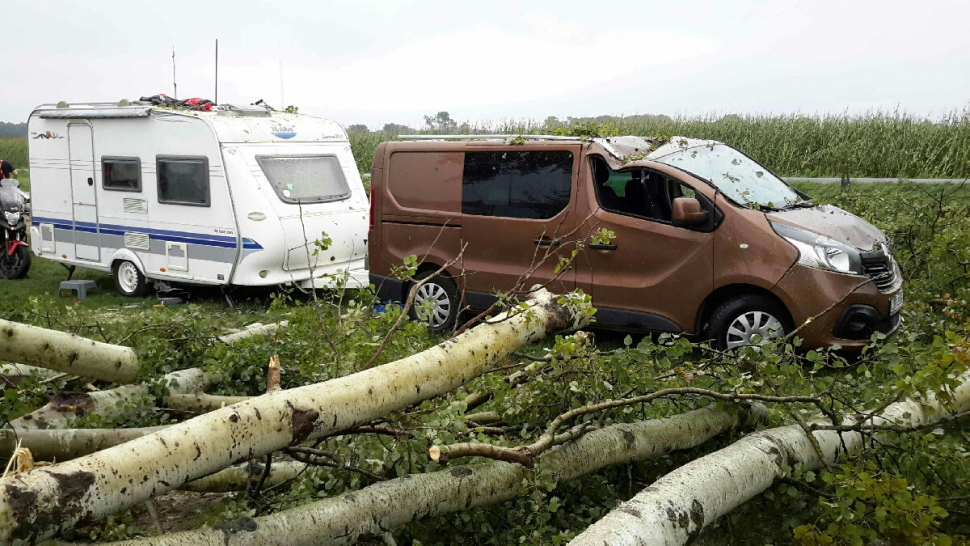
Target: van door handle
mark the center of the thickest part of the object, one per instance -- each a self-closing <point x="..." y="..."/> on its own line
<point x="545" y="241"/>
<point x="602" y="247"/>
<point x="90" y="181"/>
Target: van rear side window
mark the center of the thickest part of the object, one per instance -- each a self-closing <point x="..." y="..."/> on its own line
<point x="305" y="178"/>
<point x="517" y="184"/>
<point x="183" y="180"/>
<point x="121" y="173"/>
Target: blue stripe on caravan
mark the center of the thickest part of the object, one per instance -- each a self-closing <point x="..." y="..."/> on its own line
<point x="157" y="234"/>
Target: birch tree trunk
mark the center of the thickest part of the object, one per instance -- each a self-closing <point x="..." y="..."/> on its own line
<point x="37" y="504"/>
<point x="378" y="508"/>
<point x="66" y="353"/>
<point x="110" y="404"/>
<point x="19" y="372"/>
<point x="237" y="478"/>
<point x="677" y="506"/>
<point x="63" y="444"/>
<point x="200" y="402"/>
<point x="256" y="329"/>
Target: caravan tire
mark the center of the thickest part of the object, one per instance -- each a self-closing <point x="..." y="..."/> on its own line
<point x="129" y="281"/>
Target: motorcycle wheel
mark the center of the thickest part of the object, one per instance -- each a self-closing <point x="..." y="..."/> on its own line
<point x="16" y="265"/>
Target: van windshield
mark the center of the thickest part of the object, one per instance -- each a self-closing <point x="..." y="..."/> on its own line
<point x="738" y="176"/>
<point x="305" y="178"/>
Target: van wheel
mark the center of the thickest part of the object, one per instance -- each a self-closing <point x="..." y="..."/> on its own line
<point x="748" y="320"/>
<point x="435" y="303"/>
<point x="128" y="280"/>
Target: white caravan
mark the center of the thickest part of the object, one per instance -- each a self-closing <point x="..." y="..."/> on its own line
<point x="235" y="196"/>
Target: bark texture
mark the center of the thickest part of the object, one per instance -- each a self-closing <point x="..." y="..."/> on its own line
<point x="200" y="402"/>
<point x="67" y="353"/>
<point x="38" y="504"/>
<point x="19" y="372"/>
<point x="238" y="478"/>
<point x="256" y="329"/>
<point x="110" y="404"/>
<point x="677" y="506"/>
<point x="64" y="444"/>
<point x="375" y="509"/>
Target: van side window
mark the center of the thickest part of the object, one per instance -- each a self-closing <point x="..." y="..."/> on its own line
<point x="637" y="192"/>
<point x="183" y="180"/>
<point x="517" y="184"/>
<point x="121" y="173"/>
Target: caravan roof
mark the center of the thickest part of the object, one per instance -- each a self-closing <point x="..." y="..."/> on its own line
<point x="230" y="123"/>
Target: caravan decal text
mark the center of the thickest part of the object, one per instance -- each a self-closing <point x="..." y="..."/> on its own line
<point x="284" y="131"/>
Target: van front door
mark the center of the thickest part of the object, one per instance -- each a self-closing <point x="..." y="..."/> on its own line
<point x="653" y="275"/>
<point x="516" y="202"/>
<point x="87" y="238"/>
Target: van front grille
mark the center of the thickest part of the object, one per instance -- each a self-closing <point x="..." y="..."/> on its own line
<point x="878" y="266"/>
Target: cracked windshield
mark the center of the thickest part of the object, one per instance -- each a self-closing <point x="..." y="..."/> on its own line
<point x="735" y="174"/>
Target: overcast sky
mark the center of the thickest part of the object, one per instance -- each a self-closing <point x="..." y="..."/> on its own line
<point x="373" y="62"/>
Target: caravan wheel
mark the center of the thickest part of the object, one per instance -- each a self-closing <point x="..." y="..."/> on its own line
<point x="128" y="280"/>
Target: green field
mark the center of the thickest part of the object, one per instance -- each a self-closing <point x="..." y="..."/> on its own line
<point x="871" y="145"/>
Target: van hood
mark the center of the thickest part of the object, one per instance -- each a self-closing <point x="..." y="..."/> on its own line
<point x="833" y="223"/>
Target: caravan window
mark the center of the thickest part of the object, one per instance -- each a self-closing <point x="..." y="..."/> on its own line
<point x="305" y="178"/>
<point x="121" y="173"/>
<point x="183" y="180"/>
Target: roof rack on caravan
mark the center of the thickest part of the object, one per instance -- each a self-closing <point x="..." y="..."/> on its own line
<point x="485" y="137"/>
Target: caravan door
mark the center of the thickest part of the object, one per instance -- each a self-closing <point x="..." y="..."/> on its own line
<point x="87" y="239"/>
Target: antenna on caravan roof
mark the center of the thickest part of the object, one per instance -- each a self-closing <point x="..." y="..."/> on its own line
<point x="175" y="86"/>
<point x="217" y="72"/>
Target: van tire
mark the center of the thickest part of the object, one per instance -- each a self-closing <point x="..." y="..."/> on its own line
<point x="444" y="293"/>
<point x="129" y="280"/>
<point x="747" y="314"/>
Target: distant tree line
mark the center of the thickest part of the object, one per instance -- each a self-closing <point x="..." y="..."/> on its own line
<point x="12" y="129"/>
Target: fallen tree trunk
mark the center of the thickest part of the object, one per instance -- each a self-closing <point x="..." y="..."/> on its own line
<point x="109" y="404"/>
<point x="377" y="508"/>
<point x="63" y="444"/>
<point x="67" y="353"/>
<point x="676" y="507"/>
<point x="38" y="504"/>
<point x="18" y="372"/>
<point x="200" y="402"/>
<point x="239" y="478"/>
<point x="256" y="329"/>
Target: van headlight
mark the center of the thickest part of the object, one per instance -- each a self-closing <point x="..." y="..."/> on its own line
<point x="820" y="252"/>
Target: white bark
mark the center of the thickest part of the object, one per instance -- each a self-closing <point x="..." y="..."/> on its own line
<point x="238" y="478"/>
<point x="201" y="402"/>
<point x="62" y="444"/>
<point x="256" y="329"/>
<point x="677" y="506"/>
<point x="386" y="505"/>
<point x="37" y="504"/>
<point x="110" y="404"/>
<point x="66" y="353"/>
<point x="19" y="372"/>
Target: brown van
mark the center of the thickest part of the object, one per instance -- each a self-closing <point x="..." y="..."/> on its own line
<point x="708" y="242"/>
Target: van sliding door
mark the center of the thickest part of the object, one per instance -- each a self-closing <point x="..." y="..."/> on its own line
<point x="518" y="219"/>
<point x="87" y="238"/>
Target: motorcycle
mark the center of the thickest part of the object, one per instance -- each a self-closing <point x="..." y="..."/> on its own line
<point x="14" y="253"/>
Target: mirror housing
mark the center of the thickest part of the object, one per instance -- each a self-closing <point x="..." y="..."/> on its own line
<point x="687" y="211"/>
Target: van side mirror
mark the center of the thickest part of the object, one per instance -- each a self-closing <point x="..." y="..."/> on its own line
<point x="687" y="211"/>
